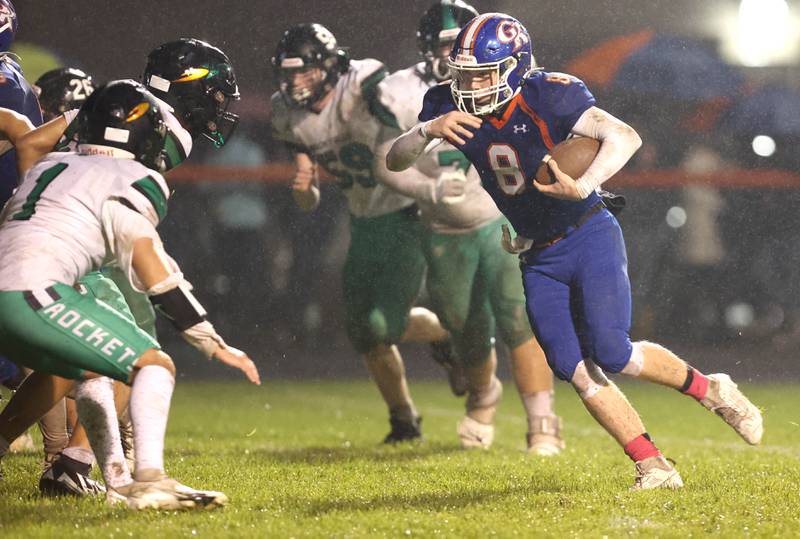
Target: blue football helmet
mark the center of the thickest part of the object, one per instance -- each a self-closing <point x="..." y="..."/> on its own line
<point x="8" y="24"/>
<point x="492" y="45"/>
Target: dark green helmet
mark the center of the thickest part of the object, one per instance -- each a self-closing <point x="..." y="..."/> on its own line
<point x="439" y="26"/>
<point x="198" y="81"/>
<point x="305" y="46"/>
<point x="123" y="115"/>
<point x="62" y="89"/>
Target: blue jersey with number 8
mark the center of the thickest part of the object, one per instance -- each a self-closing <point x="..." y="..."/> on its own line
<point x="508" y="149"/>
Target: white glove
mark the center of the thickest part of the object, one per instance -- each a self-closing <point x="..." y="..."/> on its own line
<point x="451" y="187"/>
<point x="518" y="245"/>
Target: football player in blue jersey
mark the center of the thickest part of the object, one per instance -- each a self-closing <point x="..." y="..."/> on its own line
<point x="505" y="114"/>
<point x="17" y="96"/>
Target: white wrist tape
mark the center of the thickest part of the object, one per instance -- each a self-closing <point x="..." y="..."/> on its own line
<point x="204" y="337"/>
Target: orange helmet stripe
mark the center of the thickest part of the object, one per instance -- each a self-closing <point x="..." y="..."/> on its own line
<point x="138" y="111"/>
<point x="192" y="73"/>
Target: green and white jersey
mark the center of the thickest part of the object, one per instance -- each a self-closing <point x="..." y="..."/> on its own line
<point x="343" y="137"/>
<point x="56" y="228"/>
<point x="402" y="94"/>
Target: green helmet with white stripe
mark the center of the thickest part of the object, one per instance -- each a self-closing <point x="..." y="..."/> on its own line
<point x="438" y="29"/>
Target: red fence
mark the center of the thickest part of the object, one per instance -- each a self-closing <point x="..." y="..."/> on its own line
<point x="281" y="173"/>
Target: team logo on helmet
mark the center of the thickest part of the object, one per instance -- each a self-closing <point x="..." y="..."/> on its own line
<point x="325" y="36"/>
<point x="138" y="111"/>
<point x="511" y="31"/>
<point x="193" y="73"/>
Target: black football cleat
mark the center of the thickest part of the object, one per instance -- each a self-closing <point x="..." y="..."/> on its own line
<point x="403" y="431"/>
<point x="69" y="477"/>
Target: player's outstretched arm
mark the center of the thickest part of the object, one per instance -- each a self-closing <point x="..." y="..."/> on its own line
<point x="413" y="183"/>
<point x="39" y="142"/>
<point x="453" y="127"/>
<point x="407" y="148"/>
<point x="305" y="185"/>
<point x="172" y="294"/>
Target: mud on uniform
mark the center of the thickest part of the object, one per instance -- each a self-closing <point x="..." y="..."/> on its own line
<point x="384" y="267"/>
<point x="62" y="223"/>
<point x="474" y="284"/>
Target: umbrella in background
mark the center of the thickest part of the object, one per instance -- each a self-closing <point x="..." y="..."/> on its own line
<point x="773" y="111"/>
<point x="651" y="64"/>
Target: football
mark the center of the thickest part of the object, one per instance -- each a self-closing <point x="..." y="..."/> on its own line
<point x="573" y="157"/>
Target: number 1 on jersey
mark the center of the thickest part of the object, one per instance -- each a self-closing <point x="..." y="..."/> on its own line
<point x="505" y="163"/>
<point x="29" y="207"/>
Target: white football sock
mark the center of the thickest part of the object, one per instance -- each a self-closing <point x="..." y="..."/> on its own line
<point x="95" y="401"/>
<point x="539" y="403"/>
<point x="149" y="408"/>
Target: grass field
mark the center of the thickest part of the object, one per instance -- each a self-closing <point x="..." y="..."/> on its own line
<point x="302" y="460"/>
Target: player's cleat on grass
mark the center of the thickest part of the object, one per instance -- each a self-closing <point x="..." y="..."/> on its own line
<point x="153" y="490"/>
<point x="403" y="430"/>
<point x="544" y="437"/>
<point x="474" y="434"/>
<point x="443" y="354"/>
<point x="23" y="444"/>
<point x="69" y="477"/>
<point x="143" y="496"/>
<point x="207" y="499"/>
<point x="656" y="472"/>
<point x="726" y="400"/>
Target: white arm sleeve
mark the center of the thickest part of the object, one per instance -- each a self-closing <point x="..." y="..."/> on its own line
<point x="618" y="143"/>
<point x="410" y="182"/>
<point x="407" y="148"/>
<point x="122" y="226"/>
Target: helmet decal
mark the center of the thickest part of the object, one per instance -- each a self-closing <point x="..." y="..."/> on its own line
<point x="137" y="111"/>
<point x="193" y="73"/>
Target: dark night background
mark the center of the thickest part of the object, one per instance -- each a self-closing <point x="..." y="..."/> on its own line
<point x="270" y="275"/>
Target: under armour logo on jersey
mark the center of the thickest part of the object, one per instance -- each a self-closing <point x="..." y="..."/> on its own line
<point x="520" y="128"/>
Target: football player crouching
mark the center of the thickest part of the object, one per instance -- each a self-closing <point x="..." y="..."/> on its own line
<point x="111" y="191"/>
<point x="194" y="83"/>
